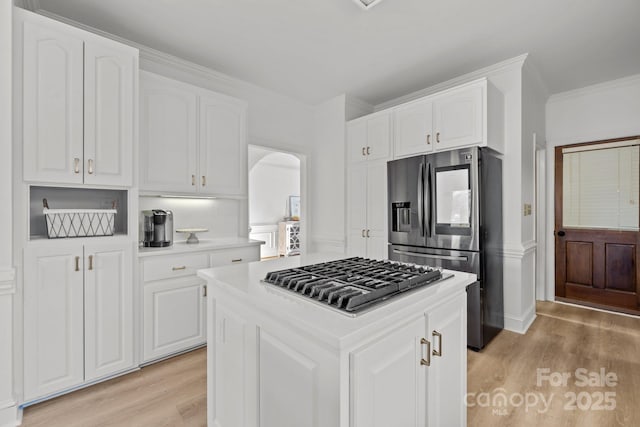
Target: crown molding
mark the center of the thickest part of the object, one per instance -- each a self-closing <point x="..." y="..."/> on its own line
<point x="628" y="81"/>
<point x="516" y="62"/>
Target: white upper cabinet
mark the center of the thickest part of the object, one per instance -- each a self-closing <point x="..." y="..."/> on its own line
<point x="458" y="117"/>
<point x="79" y="98"/>
<point x="52" y="104"/>
<point x="191" y="140"/>
<point x="109" y="112"/>
<point x="369" y="138"/>
<point x="468" y="115"/>
<point x="168" y="138"/>
<point x="223" y="147"/>
<point x="413" y="128"/>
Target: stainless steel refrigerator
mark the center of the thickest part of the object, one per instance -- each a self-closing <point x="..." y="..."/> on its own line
<point x="445" y="210"/>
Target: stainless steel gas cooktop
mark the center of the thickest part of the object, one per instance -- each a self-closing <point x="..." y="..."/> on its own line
<point x="354" y="284"/>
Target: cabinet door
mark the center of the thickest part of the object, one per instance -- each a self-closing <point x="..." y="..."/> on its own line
<point x="357" y="141"/>
<point x="458" y="118"/>
<point x="109" y="77"/>
<point x="388" y="383"/>
<point x="173" y="319"/>
<point x="223" y="146"/>
<point x="356" y="209"/>
<point x="413" y="128"/>
<point x="233" y="386"/>
<point x="377" y="237"/>
<point x="168" y="144"/>
<point x="108" y="309"/>
<point x="52" y="109"/>
<point x="53" y="319"/>
<point x="448" y="371"/>
<point x="379" y="137"/>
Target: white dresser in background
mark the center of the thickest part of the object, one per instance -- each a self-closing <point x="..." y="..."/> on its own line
<point x="289" y="238"/>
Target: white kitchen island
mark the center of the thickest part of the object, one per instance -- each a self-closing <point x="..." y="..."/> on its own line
<point x="276" y="360"/>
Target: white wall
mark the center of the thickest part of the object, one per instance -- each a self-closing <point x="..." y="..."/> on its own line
<point x="327" y="168"/>
<point x="8" y="410"/>
<point x="271" y="181"/>
<point x="604" y="111"/>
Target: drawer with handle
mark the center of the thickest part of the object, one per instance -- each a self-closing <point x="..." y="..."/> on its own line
<point x="166" y="267"/>
<point x="235" y="256"/>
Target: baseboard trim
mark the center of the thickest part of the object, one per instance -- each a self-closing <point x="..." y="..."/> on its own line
<point x="520" y="325"/>
<point x="10" y="416"/>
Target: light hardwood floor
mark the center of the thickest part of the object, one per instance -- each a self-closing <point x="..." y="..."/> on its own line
<point x="171" y="393"/>
<point x="562" y="339"/>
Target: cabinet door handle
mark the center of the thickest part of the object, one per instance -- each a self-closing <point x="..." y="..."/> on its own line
<point x="90" y="262"/>
<point x="368" y="151"/>
<point x="193" y="180"/>
<point x="77" y="263"/>
<point x="204" y="180"/>
<point x="437" y="352"/>
<point x="428" y="139"/>
<point x="184" y="267"/>
<point x="76" y="165"/>
<point x="438" y="137"/>
<point x="368" y="233"/>
<point x="237" y="260"/>
<point x="363" y="152"/>
<point x="363" y="233"/>
<point x="204" y="291"/>
<point x="427" y="361"/>
<point x="90" y="166"/>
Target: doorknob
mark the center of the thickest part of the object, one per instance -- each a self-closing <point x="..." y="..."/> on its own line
<point x="561" y="233"/>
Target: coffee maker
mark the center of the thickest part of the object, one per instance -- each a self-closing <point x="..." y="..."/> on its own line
<point x="157" y="225"/>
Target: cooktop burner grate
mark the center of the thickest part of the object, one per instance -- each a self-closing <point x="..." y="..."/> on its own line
<point x="353" y="284"/>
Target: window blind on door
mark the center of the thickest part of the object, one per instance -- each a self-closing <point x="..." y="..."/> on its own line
<point x="601" y="188"/>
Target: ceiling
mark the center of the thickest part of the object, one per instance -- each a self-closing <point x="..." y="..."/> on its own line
<point x="314" y="50"/>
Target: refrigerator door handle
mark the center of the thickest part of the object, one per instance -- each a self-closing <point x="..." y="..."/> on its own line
<point x="431" y="256"/>
<point x="427" y="202"/>
<point x="421" y="198"/>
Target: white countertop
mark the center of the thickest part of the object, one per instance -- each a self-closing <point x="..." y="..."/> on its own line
<point x="203" y="245"/>
<point x="242" y="282"/>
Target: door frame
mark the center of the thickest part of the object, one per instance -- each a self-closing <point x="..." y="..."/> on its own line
<point x="305" y="215"/>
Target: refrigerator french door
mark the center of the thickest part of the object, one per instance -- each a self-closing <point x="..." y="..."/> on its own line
<point x="445" y="210"/>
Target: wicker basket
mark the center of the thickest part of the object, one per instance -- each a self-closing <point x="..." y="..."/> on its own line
<point x="63" y="223"/>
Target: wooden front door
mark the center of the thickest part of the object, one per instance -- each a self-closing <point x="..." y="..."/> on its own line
<point x="597" y="220"/>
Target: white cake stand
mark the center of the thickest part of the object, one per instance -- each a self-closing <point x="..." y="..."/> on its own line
<point x="192" y="233"/>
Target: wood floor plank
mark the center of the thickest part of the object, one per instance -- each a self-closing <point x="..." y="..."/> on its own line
<point x="562" y="339"/>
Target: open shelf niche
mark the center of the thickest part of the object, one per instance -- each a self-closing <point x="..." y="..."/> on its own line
<point x="74" y="198"/>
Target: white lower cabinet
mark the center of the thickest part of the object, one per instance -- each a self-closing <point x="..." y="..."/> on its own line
<point x="263" y="378"/>
<point x="266" y="374"/>
<point x="173" y="316"/>
<point x="388" y="384"/>
<point x="78" y="311"/>
<point x="415" y="375"/>
<point x="174" y="299"/>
